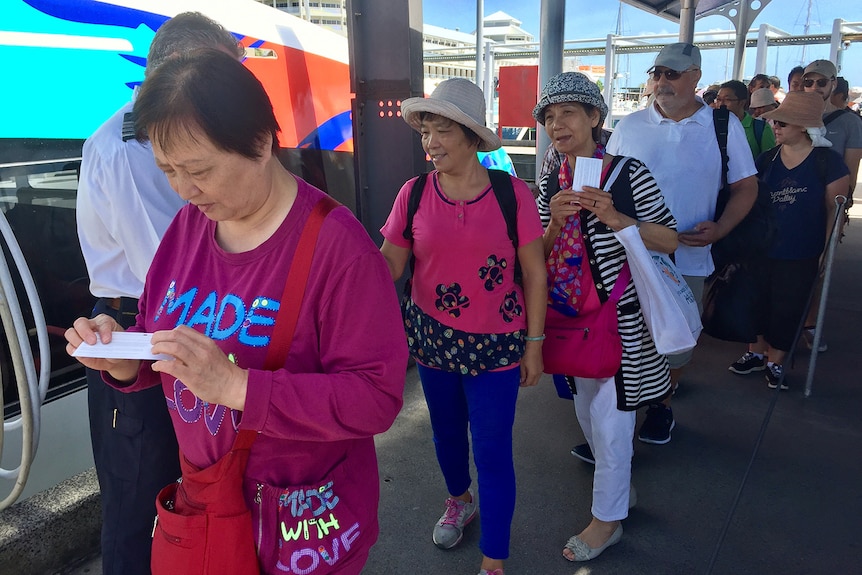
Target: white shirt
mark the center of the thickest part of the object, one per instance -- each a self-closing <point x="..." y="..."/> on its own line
<point x="124" y="206"/>
<point x="685" y="161"/>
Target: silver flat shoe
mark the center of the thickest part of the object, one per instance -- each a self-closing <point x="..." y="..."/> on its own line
<point x="584" y="552"/>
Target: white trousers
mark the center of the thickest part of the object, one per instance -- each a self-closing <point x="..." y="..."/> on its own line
<point x="609" y="433"/>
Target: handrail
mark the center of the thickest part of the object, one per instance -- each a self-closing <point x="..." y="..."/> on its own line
<point x="31" y="390"/>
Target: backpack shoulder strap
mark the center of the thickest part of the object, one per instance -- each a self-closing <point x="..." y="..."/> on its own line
<point x="504" y="191"/>
<point x="623" y="195"/>
<point x="759" y="125"/>
<point x="721" y="120"/>
<point x="413" y="204"/>
<point x="821" y="160"/>
<point x="834" y="116"/>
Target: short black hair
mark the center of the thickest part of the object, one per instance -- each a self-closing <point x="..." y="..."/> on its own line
<point x="709" y="96"/>
<point x="189" y="31"/>
<point x="775" y="81"/>
<point x="738" y="88"/>
<point x="759" y="78"/>
<point x="796" y="70"/>
<point x="213" y="92"/>
<point x="842" y="87"/>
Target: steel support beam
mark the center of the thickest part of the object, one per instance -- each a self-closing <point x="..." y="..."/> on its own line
<point x="552" y="25"/>
<point x="387" y="151"/>
<point x="480" y="40"/>
<point x="686" y="20"/>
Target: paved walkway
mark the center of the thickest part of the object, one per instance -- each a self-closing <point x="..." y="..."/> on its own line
<point x="798" y="514"/>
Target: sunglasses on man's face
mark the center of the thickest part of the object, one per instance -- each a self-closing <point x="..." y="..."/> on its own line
<point x="780" y="124"/>
<point x="671" y="75"/>
<point x="821" y="82"/>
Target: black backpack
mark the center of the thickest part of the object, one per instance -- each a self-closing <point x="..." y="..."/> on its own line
<point x="501" y="184"/>
<point x="759" y="126"/>
<point x="752" y="238"/>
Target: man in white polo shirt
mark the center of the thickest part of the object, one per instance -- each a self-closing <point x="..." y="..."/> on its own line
<point x="675" y="138"/>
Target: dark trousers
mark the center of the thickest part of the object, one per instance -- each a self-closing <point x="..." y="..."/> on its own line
<point x="785" y="285"/>
<point x="136" y="454"/>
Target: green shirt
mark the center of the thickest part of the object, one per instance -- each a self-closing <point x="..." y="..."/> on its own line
<point x="767" y="139"/>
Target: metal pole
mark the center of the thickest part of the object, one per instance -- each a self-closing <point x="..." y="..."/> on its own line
<point x="480" y="40"/>
<point x="762" y="45"/>
<point x="836" y="45"/>
<point x="610" y="74"/>
<point x="827" y="279"/>
<point x="686" y="21"/>
<point x="552" y="22"/>
<point x="741" y="23"/>
<point x="488" y="87"/>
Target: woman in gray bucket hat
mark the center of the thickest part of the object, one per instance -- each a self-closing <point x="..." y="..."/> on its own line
<point x="584" y="258"/>
<point x="475" y="331"/>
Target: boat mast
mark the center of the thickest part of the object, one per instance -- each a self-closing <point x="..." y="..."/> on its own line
<point x="806" y="28"/>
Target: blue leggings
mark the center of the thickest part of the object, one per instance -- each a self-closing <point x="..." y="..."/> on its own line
<point x="487" y="403"/>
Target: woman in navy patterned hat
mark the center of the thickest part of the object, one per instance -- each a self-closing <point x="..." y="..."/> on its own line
<point x="580" y="227"/>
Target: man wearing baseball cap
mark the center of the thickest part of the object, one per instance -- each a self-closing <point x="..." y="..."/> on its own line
<point x="845" y="133"/>
<point x="842" y="129"/>
<point x="675" y="138"/>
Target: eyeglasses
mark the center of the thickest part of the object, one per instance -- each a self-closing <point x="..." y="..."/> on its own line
<point x="723" y="100"/>
<point x="779" y="123"/>
<point x="671" y="75"/>
<point x="821" y="82"/>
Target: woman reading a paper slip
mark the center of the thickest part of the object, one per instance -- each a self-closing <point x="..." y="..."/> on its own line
<point x="212" y="298"/>
<point x="584" y="260"/>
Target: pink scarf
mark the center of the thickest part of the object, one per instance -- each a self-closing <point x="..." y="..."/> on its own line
<point x="565" y="271"/>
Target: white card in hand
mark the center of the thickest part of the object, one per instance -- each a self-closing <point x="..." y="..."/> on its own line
<point x="123" y="345"/>
<point x="588" y="172"/>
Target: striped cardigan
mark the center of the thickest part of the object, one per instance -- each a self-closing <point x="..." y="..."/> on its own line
<point x="644" y="375"/>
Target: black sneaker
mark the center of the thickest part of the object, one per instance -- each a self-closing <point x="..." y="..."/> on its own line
<point x="773" y="376"/>
<point x="657" y="426"/>
<point x="748" y="363"/>
<point x="584" y="453"/>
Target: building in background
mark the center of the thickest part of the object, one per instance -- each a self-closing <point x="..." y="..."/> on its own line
<point x="331" y="14"/>
<point x="504" y="29"/>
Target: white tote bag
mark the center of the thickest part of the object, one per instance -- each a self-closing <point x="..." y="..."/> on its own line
<point x="667" y="303"/>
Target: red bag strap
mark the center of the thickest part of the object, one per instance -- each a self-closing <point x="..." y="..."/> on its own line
<point x="291" y="300"/>
<point x="294" y="287"/>
<point x="621" y="283"/>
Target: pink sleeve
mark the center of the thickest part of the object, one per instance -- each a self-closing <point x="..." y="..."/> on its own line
<point x="147" y="378"/>
<point x="393" y="229"/>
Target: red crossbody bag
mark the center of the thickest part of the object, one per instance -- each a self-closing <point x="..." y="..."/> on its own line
<point x="203" y="526"/>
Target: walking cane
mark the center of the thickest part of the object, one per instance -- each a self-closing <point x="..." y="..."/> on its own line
<point x="827" y="279"/>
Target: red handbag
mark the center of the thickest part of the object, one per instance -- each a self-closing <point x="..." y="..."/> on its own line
<point x="203" y="526"/>
<point x="586" y="345"/>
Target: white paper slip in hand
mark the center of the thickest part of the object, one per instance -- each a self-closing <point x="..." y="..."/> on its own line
<point x="123" y="345"/>
<point x="588" y="172"/>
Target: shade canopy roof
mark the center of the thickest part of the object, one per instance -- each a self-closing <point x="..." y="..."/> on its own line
<point x="671" y="9"/>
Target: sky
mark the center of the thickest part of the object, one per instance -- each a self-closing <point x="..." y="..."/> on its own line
<point x="787" y="15"/>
